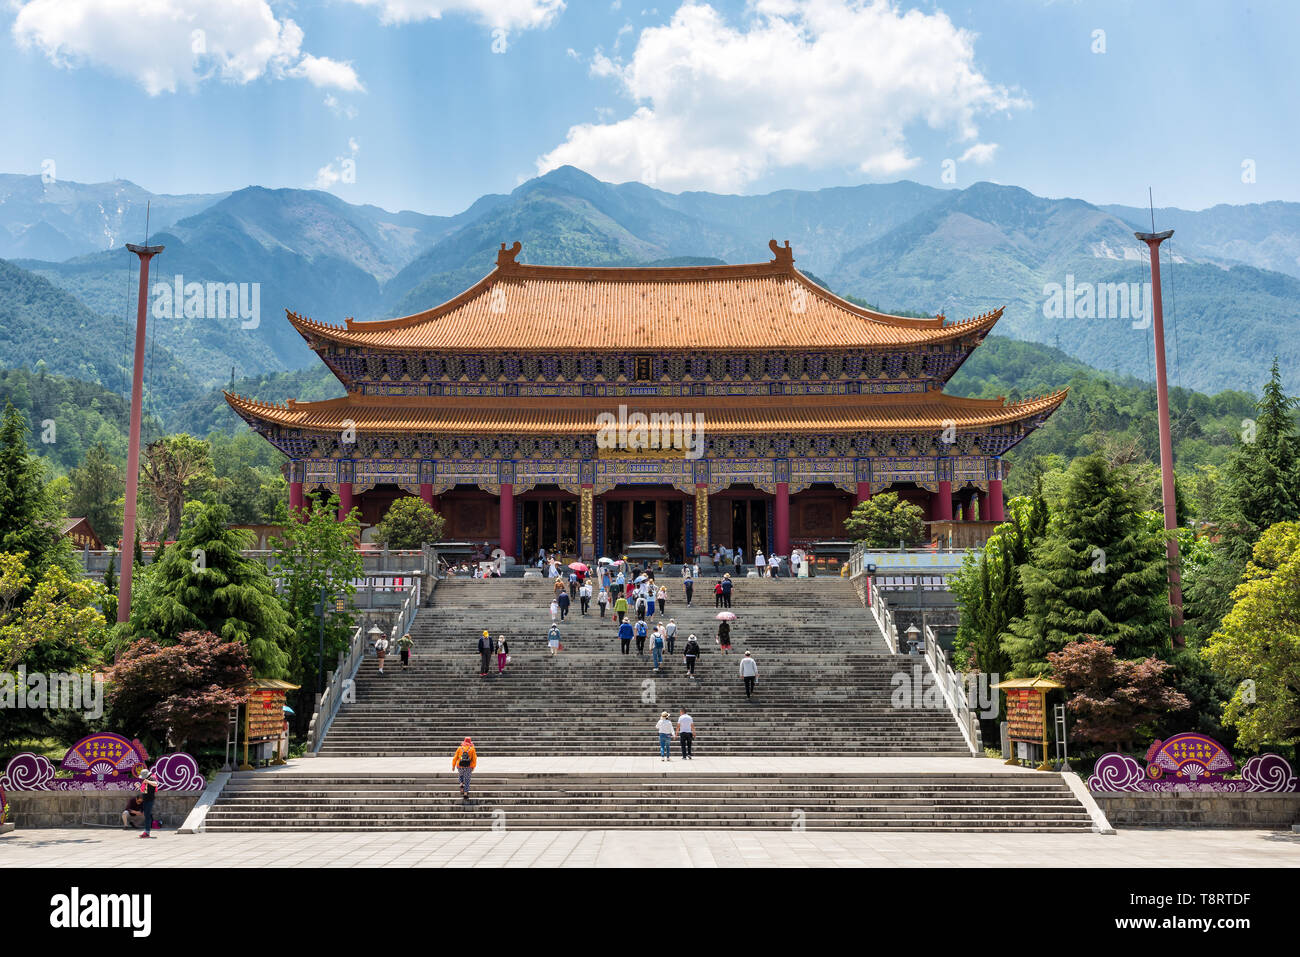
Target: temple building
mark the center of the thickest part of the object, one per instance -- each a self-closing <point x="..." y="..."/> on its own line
<point x="770" y="406"/>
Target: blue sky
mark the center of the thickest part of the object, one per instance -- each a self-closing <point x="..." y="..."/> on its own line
<point x="381" y="101"/>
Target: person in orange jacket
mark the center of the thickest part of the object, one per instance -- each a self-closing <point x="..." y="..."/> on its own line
<point x="464" y="762"/>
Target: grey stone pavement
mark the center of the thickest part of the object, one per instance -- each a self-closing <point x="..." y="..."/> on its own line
<point x="1155" y="848"/>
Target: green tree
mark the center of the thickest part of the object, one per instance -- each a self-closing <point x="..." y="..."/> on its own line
<point x="97" y="488"/>
<point x="1100" y="570"/>
<point x="988" y="588"/>
<point x="884" y="520"/>
<point x="409" y="523"/>
<point x="1257" y="648"/>
<point x="204" y="583"/>
<point x="30" y="517"/>
<point x="317" y="553"/>
<point x="171" y="465"/>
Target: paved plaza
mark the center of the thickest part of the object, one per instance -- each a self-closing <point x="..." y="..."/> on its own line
<point x="1157" y="848"/>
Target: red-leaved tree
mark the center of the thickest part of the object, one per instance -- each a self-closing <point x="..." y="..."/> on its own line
<point x="1110" y="697"/>
<point x="183" y="692"/>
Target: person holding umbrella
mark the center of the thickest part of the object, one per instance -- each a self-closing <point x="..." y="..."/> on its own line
<point x="725" y="618"/>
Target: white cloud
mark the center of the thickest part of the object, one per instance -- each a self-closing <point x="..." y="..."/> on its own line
<point x="497" y="14"/>
<point x="980" y="153"/>
<point x="342" y="170"/>
<point x="165" y="44"/>
<point x="338" y="108"/>
<point x="813" y="83"/>
<point x="324" y="72"/>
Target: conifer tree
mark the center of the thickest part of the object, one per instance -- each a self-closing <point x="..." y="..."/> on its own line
<point x="30" y="518"/>
<point x="1100" y="570"/>
<point x="204" y="583"/>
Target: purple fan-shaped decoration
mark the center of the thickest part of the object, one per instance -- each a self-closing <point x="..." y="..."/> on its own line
<point x="179" y="772"/>
<point x="1116" y="772"/>
<point x="28" y="772"/>
<point x="1269" y="772"/>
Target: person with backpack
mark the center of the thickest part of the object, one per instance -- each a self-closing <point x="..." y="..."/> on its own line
<point x="463" y="762"/>
<point x="573" y="585"/>
<point x="724" y="636"/>
<point x="670" y="633"/>
<point x="749" y="672"/>
<point x="485" y="649"/>
<point x="657" y="646"/>
<point x="381" y="651"/>
<point x="503" y="654"/>
<point x="640" y="637"/>
<point x="149" y="785"/>
<point x="726" y="591"/>
<point x="640" y="607"/>
<point x="688" y="584"/>
<point x="650" y="600"/>
<point x="691" y="652"/>
<point x="553" y="639"/>
<point x="625" y="634"/>
<point x="584" y="596"/>
<point x="666" y="735"/>
<point x="405" y="643"/>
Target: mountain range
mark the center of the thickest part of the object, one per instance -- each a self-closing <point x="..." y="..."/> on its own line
<point x="1231" y="275"/>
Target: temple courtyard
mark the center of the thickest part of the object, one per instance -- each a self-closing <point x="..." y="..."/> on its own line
<point x="1154" y="848"/>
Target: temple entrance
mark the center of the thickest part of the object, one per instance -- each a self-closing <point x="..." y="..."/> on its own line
<point x="642" y="514"/>
<point x="550" y="523"/>
<point x="749" y="526"/>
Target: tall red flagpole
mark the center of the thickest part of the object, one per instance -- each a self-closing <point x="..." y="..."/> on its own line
<point x="1153" y="241"/>
<point x="145" y="253"/>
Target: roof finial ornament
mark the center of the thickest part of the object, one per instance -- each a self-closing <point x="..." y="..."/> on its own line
<point x="506" y="257"/>
<point x="784" y="254"/>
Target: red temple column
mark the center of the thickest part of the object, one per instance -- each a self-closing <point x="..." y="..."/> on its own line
<point x="983" y="498"/>
<point x="864" y="492"/>
<point x="997" y="510"/>
<point x="426" y="493"/>
<point x="507" y="518"/>
<point x="345" y="499"/>
<point x="783" y="518"/>
<point x="943" y="501"/>
<point x="295" y="496"/>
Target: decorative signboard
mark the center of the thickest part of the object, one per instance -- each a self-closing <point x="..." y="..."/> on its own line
<point x="100" y="762"/>
<point x="264" y="714"/>
<point x="1027" y="712"/>
<point x="1191" y="762"/>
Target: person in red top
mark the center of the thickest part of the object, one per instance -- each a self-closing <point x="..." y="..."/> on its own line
<point x="463" y="762"/>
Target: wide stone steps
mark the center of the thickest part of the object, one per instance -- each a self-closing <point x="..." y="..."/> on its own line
<point x="284" y="802"/>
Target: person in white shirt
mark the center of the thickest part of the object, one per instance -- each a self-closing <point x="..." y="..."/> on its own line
<point x="584" y="595"/>
<point x="760" y="563"/>
<point x="666" y="735"/>
<point x="686" y="731"/>
<point x="749" y="671"/>
<point x="381" y="651"/>
<point x="670" y="633"/>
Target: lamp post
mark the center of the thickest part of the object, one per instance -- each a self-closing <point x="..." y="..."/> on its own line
<point x="912" y="634"/>
<point x="1153" y="241"/>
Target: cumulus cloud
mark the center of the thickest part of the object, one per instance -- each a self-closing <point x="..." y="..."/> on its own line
<point x="342" y="170"/>
<point x="165" y="44"/>
<point x="496" y="14"/>
<point x="813" y="83"/>
<point x="980" y="153"/>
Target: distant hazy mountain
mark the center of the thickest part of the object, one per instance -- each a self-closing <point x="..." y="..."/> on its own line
<point x="1266" y="235"/>
<point x="1233" y="277"/>
<point x="59" y="219"/>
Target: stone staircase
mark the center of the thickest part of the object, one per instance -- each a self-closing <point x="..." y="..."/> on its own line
<point x="873" y="802"/>
<point x="824" y="684"/>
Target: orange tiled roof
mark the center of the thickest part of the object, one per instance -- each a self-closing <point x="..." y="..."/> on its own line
<point x="767" y="305"/>
<point x="577" y="416"/>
